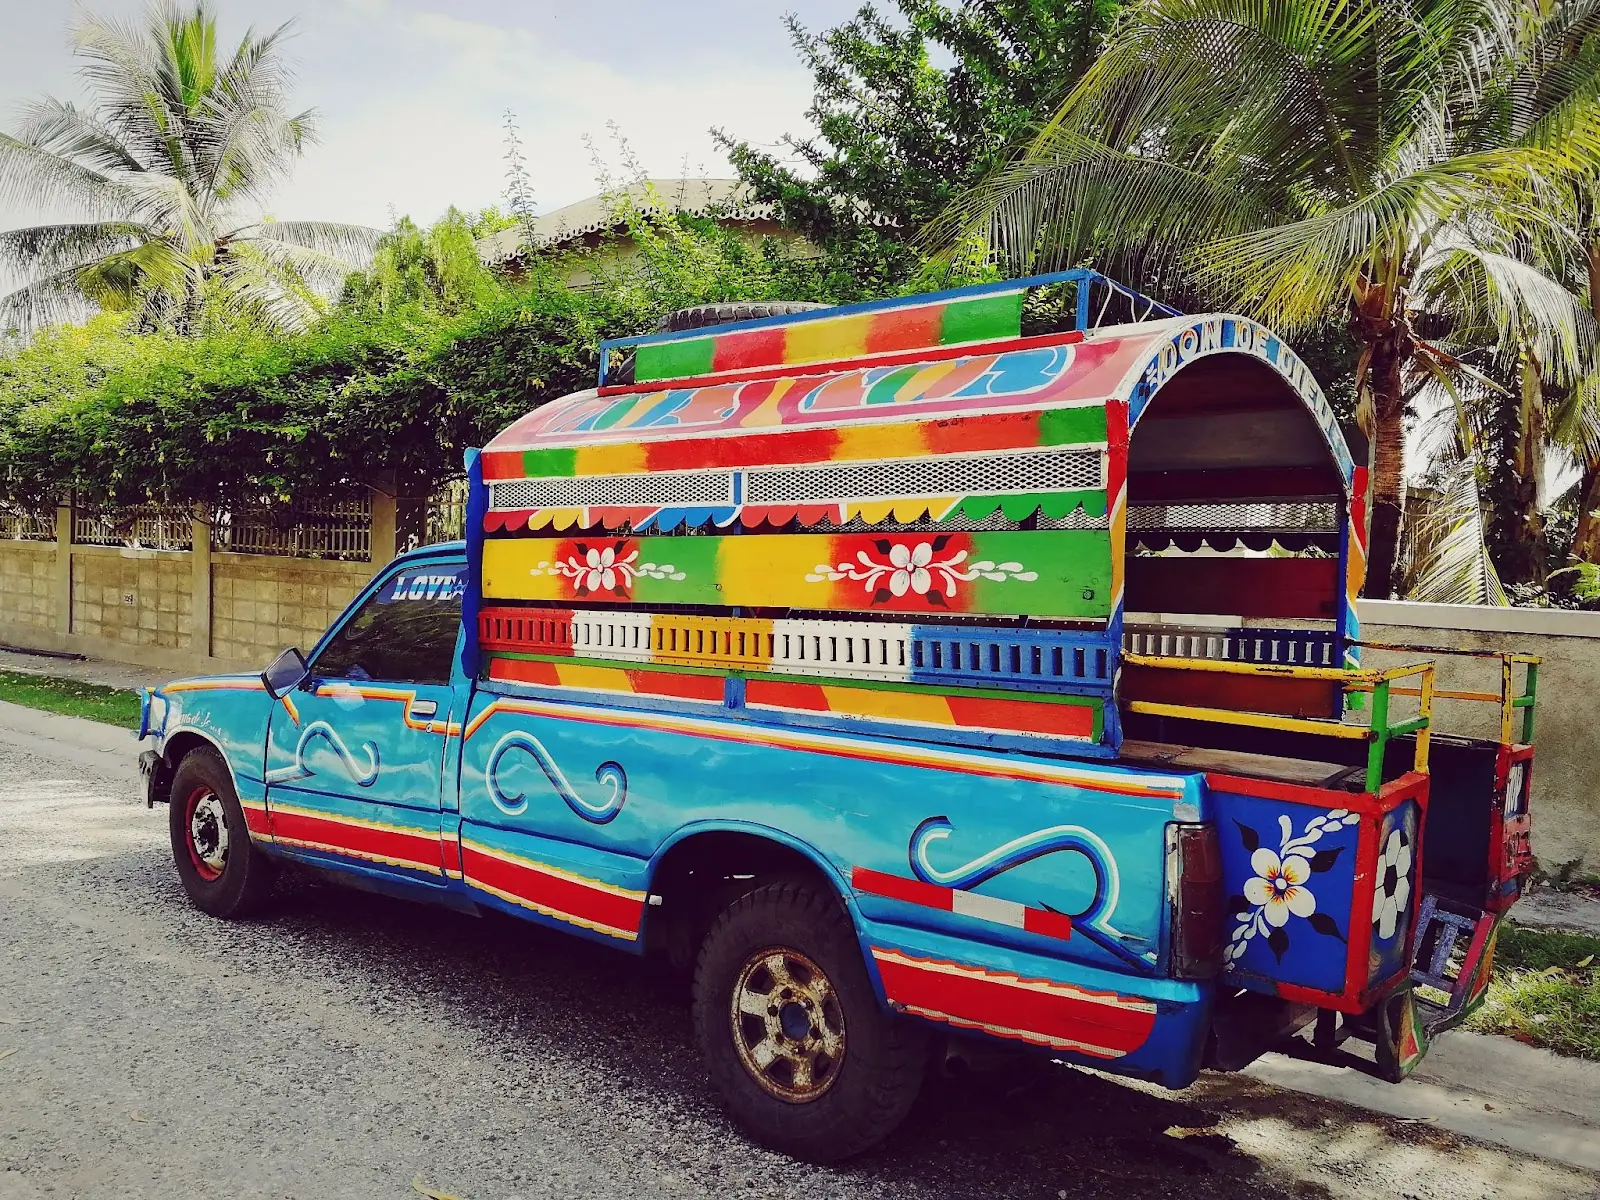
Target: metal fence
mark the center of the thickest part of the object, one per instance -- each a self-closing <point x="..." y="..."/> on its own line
<point x="339" y="528"/>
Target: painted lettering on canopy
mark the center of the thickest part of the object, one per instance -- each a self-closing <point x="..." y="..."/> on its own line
<point x="424" y="585"/>
<point x="1213" y="335"/>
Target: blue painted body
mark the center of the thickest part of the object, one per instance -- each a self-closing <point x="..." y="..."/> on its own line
<point x="563" y="810"/>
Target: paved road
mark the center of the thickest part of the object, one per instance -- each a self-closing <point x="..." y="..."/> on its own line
<point x="352" y="1046"/>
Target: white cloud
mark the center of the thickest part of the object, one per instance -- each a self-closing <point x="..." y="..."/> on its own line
<point x="430" y="133"/>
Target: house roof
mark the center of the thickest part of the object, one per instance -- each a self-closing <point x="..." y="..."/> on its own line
<point x="697" y="197"/>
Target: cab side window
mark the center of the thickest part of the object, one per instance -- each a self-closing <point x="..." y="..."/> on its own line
<point x="404" y="633"/>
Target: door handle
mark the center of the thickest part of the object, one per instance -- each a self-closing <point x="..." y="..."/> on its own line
<point x="424" y="708"/>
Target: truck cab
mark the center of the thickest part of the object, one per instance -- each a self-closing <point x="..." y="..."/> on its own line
<point x="908" y="679"/>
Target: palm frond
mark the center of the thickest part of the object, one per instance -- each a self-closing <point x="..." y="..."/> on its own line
<point x="1513" y="303"/>
<point x="52" y="248"/>
<point x="1448" y="556"/>
<point x="353" y="243"/>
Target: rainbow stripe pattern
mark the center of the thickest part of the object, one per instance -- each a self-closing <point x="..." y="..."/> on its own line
<point x="827" y="337"/>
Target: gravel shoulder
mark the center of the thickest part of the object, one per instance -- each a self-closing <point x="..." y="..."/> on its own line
<point x="352" y="1044"/>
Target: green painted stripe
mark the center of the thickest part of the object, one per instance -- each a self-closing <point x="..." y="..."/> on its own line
<point x="1069" y="426"/>
<point x="984" y="319"/>
<point x="674" y="360"/>
<point x="561" y="463"/>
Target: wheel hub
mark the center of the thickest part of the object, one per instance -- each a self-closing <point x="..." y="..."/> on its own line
<point x="208" y="833"/>
<point x="787" y="1024"/>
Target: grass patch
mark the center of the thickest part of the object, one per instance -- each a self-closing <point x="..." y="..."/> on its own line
<point x="1545" y="991"/>
<point x="114" y="706"/>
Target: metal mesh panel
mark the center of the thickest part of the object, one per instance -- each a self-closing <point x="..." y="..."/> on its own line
<point x="1038" y="471"/>
<point x="1294" y="516"/>
<point x="667" y="490"/>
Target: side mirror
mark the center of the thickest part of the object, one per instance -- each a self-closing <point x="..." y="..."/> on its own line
<point x="285" y="673"/>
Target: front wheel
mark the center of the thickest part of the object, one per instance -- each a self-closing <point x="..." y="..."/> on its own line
<point x="805" y="1059"/>
<point x="223" y="873"/>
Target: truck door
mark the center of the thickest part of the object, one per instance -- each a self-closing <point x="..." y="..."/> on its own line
<point x="354" y="754"/>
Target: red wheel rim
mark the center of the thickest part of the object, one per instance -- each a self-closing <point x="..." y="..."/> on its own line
<point x="205" y="824"/>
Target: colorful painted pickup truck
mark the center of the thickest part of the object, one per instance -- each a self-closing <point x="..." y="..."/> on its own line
<point x="915" y="681"/>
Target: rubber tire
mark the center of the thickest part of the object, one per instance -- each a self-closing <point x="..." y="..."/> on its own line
<point x="705" y="316"/>
<point x="885" y="1056"/>
<point x="245" y="885"/>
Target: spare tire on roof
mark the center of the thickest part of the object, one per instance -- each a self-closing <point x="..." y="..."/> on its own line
<point x="705" y="316"/>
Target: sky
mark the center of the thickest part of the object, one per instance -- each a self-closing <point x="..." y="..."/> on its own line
<point x="411" y="93"/>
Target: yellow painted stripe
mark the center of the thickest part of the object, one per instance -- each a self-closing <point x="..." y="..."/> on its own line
<point x="829" y="340"/>
<point x="896" y="706"/>
<point x="625" y="458"/>
<point x="901" y="440"/>
<point x="605" y="679"/>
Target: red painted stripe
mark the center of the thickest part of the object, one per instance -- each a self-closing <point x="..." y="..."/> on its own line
<point x="749" y="348"/>
<point x="740" y="450"/>
<point x="1048" y="924"/>
<point x="681" y="687"/>
<point x="1024" y="716"/>
<point x="409" y="846"/>
<point x="906" y="329"/>
<point x="1049" y="1015"/>
<point x="896" y="887"/>
<point x="564" y="895"/>
<point x="255" y="819"/>
<point x="503" y="464"/>
<point x="522" y="670"/>
<point x="807" y="696"/>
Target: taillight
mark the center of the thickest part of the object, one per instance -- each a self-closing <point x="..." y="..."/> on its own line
<point x="1194" y="889"/>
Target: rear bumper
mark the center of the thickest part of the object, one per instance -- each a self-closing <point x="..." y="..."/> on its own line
<point x="1128" y="1025"/>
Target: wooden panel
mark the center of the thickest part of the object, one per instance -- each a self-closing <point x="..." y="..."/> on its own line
<point x="1055" y="573"/>
<point x="1166" y="755"/>
<point x="1248" y="587"/>
<point x="1242" y="693"/>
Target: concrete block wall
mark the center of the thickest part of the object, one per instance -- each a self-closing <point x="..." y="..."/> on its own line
<point x="134" y="597"/>
<point x="27" y="585"/>
<point x="259" y="605"/>
<point x="184" y="612"/>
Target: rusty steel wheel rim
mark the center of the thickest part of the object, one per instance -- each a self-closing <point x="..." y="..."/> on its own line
<point x="787" y="1024"/>
<point x="208" y="833"/>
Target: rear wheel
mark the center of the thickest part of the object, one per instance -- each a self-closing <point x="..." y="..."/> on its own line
<point x="805" y="1059"/>
<point x="224" y="874"/>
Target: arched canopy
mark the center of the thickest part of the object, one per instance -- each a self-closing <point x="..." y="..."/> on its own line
<point x="1016" y="426"/>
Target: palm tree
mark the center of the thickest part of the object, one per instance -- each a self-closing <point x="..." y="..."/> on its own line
<point x="1308" y="160"/>
<point x="166" y="171"/>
